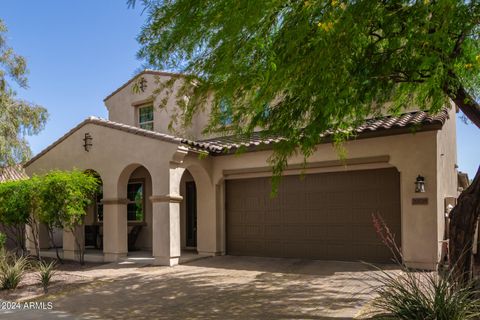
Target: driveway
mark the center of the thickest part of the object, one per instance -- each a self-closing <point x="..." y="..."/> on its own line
<point x="223" y="287"/>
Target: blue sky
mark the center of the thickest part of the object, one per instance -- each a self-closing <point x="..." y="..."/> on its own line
<point x="80" y="51"/>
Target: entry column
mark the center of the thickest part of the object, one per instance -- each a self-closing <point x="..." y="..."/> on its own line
<point x="115" y="229"/>
<point x="166" y="229"/>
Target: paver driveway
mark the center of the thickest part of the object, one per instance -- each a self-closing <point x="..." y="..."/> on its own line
<point x="225" y="288"/>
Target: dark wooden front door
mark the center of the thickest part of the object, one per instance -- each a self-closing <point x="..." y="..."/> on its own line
<point x="191" y="221"/>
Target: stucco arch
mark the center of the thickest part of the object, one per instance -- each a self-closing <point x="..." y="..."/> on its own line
<point x="124" y="177"/>
<point x="206" y="211"/>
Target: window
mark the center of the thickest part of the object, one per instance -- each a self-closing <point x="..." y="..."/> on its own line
<point x="135" y="201"/>
<point x="145" y="117"/>
<point x="225" y="112"/>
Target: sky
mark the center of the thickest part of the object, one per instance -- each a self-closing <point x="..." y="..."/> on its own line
<point x="78" y="52"/>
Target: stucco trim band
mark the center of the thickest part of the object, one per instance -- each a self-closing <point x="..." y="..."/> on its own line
<point x="173" y="198"/>
<point x="115" y="201"/>
<point x="313" y="165"/>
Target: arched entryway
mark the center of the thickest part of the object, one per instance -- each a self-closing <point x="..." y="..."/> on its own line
<point x="93" y="223"/>
<point x="188" y="212"/>
<point x="135" y="188"/>
<point x="198" y="217"/>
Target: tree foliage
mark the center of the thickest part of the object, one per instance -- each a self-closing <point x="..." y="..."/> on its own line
<point x="300" y="68"/>
<point x="19" y="205"/>
<point x="57" y="199"/>
<point x="18" y="118"/>
<point x="65" y="196"/>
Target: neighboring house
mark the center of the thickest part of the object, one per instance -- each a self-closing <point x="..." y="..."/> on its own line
<point x="156" y="186"/>
<point x="11" y="173"/>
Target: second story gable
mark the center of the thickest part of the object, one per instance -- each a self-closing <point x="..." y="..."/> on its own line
<point x="137" y="103"/>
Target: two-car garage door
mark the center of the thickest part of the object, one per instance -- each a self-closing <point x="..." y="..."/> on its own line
<point x="317" y="216"/>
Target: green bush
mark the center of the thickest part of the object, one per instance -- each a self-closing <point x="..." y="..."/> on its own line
<point x="12" y="270"/>
<point x="413" y="295"/>
<point x="45" y="273"/>
<point x="425" y="295"/>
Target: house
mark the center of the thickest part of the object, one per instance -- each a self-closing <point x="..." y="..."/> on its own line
<point x="160" y="195"/>
<point x="12" y="173"/>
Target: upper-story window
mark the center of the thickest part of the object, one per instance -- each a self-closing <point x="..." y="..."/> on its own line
<point x="145" y="117"/>
<point x="225" y="112"/>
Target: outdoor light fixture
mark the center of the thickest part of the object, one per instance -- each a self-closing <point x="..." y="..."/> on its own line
<point x="420" y="184"/>
<point x="143" y="84"/>
<point x="87" y="142"/>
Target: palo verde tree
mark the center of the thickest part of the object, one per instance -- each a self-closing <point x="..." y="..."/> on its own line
<point x="300" y="68"/>
<point x="18" y="118"/>
<point x="65" y="196"/>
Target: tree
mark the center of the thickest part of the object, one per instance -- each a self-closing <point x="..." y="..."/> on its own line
<point x="19" y="207"/>
<point x="65" y="196"/>
<point x="462" y="230"/>
<point x="301" y="68"/>
<point x="18" y="118"/>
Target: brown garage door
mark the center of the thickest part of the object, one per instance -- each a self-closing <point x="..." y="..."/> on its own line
<point x="317" y="216"/>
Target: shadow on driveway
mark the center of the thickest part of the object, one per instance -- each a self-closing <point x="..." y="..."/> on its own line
<point x="228" y="288"/>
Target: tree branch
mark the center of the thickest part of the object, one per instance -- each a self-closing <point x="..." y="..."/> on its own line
<point x="464" y="100"/>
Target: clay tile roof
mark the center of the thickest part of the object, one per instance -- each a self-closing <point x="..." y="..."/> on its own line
<point x="12" y="173"/>
<point x="113" y="125"/>
<point x="257" y="139"/>
<point x="407" y="120"/>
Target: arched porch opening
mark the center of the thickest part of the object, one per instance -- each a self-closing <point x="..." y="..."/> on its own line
<point x="188" y="212"/>
<point x="198" y="219"/>
<point x="93" y="223"/>
<point x="135" y="187"/>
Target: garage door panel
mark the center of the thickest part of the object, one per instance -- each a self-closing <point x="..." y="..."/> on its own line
<point x="235" y="218"/>
<point x="317" y="232"/>
<point x="319" y="216"/>
<point x="295" y="216"/>
<point x="256" y="217"/>
<point x="293" y="232"/>
<point x="273" y="216"/>
<point x="339" y="233"/>
<point x="274" y="203"/>
<point x="274" y="232"/>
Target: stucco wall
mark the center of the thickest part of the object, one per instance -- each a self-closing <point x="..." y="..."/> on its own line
<point x="123" y="107"/>
<point x="115" y="155"/>
<point x="411" y="154"/>
<point x="447" y="174"/>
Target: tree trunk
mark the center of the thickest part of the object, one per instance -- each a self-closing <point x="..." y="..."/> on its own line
<point x="463" y="221"/>
<point x="52" y="241"/>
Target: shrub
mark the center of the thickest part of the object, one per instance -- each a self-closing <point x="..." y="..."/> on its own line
<point x="12" y="270"/>
<point x="45" y="273"/>
<point x="412" y="295"/>
<point x="425" y="295"/>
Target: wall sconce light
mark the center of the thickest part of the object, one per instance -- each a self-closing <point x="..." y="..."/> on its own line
<point x="420" y="184"/>
<point x="87" y="142"/>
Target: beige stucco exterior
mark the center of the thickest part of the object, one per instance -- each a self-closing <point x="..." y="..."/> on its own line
<point x="118" y="155"/>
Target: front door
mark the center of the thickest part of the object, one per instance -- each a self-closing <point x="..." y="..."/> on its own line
<point x="191" y="220"/>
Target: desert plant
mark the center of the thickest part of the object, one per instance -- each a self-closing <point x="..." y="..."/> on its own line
<point x="425" y="295"/>
<point x="412" y="295"/>
<point x="45" y="273"/>
<point x="12" y="270"/>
